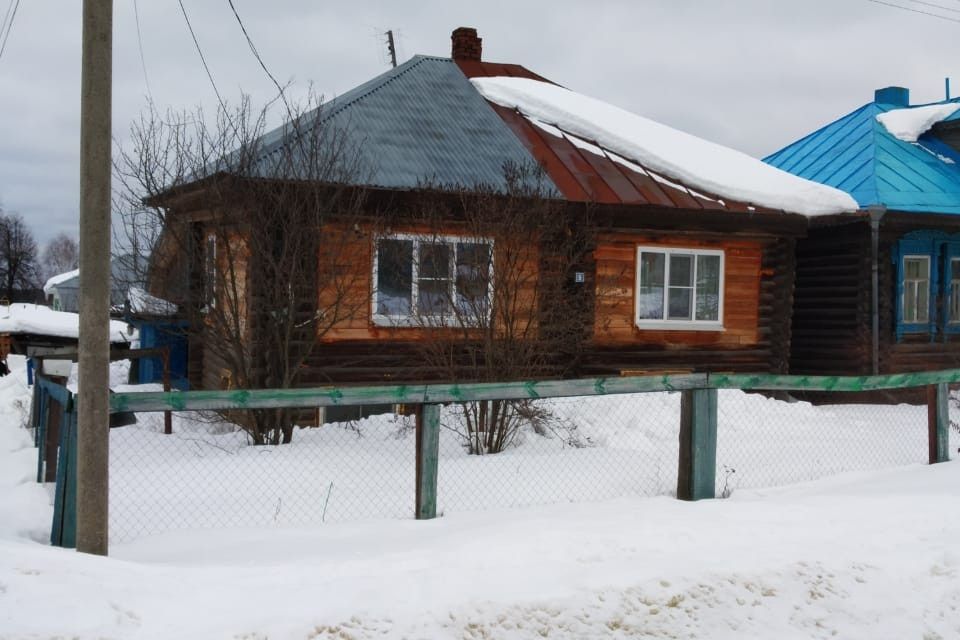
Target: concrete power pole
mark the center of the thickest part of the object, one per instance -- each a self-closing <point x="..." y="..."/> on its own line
<point x="93" y="417"/>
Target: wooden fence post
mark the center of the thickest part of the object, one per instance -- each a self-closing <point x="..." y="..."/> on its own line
<point x="938" y="422"/>
<point x="40" y="426"/>
<point x="63" y="533"/>
<point x="428" y="451"/>
<point x="697" y="471"/>
<point x="52" y="418"/>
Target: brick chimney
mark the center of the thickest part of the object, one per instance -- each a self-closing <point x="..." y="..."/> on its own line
<point x="466" y="44"/>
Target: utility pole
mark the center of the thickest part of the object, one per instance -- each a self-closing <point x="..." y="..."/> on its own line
<point x="392" y="49"/>
<point x="93" y="436"/>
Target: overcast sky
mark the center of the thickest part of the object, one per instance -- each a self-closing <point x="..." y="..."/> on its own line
<point x="751" y="74"/>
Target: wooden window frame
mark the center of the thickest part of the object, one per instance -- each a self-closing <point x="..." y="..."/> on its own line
<point x="414" y="319"/>
<point x="664" y="324"/>
<point x="921" y="324"/>
<point x="210" y="270"/>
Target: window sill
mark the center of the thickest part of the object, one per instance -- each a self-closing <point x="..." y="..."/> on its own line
<point x="678" y="325"/>
<point x="432" y="322"/>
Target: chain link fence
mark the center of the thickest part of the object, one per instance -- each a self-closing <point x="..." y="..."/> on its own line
<point x="206" y="474"/>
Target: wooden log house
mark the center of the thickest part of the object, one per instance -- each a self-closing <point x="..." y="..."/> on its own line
<point x="676" y="278"/>
<point x="878" y="290"/>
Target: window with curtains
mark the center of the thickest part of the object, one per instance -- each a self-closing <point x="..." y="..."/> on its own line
<point x="445" y="280"/>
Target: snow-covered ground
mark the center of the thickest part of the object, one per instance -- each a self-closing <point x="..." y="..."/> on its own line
<point x="866" y="554"/>
<point x="206" y="476"/>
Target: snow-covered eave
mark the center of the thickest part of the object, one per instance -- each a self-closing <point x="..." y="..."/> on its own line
<point x="53" y="281"/>
<point x="37" y="320"/>
<point x="695" y="163"/>
<point x="909" y="123"/>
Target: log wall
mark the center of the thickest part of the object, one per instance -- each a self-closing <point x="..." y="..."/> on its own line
<point x="831" y="315"/>
<point x="758" y="290"/>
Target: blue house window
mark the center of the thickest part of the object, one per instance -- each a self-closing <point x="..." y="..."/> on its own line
<point x="916" y="290"/>
<point x="928" y="283"/>
<point x="953" y="295"/>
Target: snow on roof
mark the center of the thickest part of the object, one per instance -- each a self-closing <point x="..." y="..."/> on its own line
<point x="57" y="279"/>
<point x="695" y="162"/>
<point x="44" y="321"/>
<point x="143" y="302"/>
<point x="911" y="123"/>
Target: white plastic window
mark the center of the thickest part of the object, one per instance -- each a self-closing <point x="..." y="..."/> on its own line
<point x="679" y="288"/>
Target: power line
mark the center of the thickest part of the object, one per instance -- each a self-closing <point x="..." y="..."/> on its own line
<point x="196" y="43"/>
<point x="256" y="53"/>
<point x="936" y="6"/>
<point x="6" y="16"/>
<point x="6" y="35"/>
<point x="926" y="13"/>
<point x="143" y="62"/>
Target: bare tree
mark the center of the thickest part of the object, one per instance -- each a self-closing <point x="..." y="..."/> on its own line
<point x="19" y="269"/>
<point x="61" y="254"/>
<point x="498" y="297"/>
<point x="267" y="227"/>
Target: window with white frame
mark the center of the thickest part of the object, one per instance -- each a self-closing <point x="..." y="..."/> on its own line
<point x="916" y="289"/>
<point x="432" y="279"/>
<point x="679" y="288"/>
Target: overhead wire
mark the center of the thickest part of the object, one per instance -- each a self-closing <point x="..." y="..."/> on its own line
<point x="143" y="61"/>
<point x="926" y="13"/>
<point x="9" y="25"/>
<point x="203" y="60"/>
<point x="936" y="6"/>
<point x="256" y="54"/>
<point x="6" y="16"/>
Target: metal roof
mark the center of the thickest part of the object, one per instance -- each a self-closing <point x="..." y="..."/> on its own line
<point x="585" y="171"/>
<point x="858" y="155"/>
<point x="424" y="124"/>
<point x="420" y="124"/>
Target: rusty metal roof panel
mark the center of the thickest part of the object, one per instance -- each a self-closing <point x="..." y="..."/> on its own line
<point x="582" y="170"/>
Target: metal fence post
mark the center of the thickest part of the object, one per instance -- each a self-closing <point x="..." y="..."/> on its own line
<point x="428" y="451"/>
<point x="697" y="471"/>
<point x="938" y="422"/>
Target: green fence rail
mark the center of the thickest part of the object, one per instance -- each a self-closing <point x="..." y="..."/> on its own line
<point x="698" y="428"/>
<point x="522" y="390"/>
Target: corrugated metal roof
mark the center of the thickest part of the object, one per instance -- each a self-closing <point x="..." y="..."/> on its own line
<point x="424" y="124"/>
<point x="419" y="124"/>
<point x="856" y="153"/>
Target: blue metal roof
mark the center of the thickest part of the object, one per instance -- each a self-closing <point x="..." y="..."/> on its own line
<point x="419" y="124"/>
<point x="858" y="155"/>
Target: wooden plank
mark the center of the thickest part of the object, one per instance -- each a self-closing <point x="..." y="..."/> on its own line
<point x="832" y="383"/>
<point x="697" y="469"/>
<point x="398" y="394"/>
<point x="428" y="453"/>
<point x="63" y="531"/>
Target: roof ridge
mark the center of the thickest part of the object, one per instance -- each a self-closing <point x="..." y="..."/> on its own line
<point x="388" y="77"/>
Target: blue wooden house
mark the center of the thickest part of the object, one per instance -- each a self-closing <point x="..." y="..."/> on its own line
<point x="878" y="290"/>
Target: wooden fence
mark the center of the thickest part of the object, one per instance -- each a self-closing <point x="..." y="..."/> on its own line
<point x="698" y="417"/>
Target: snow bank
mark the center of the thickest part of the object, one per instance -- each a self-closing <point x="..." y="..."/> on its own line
<point x="25" y="510"/>
<point x="911" y="123"/>
<point x="57" y="279"/>
<point x="44" y="321"/>
<point x="871" y="557"/>
<point x="695" y="162"/>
